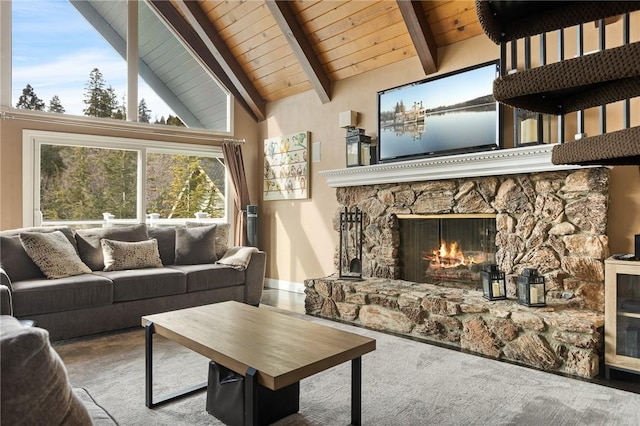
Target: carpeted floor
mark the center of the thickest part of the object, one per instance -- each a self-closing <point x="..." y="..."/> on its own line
<point x="404" y="383"/>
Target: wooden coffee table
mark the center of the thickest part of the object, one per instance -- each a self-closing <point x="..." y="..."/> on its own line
<point x="266" y="347"/>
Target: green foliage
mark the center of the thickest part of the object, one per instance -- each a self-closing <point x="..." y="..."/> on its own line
<point x="143" y="112"/>
<point x="29" y="100"/>
<point x="79" y="183"/>
<point x="55" y="105"/>
<point x="100" y="101"/>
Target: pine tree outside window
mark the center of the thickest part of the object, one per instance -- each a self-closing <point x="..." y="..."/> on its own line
<point x="75" y="184"/>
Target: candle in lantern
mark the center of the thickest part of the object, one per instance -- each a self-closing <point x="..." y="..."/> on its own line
<point x="496" y="288"/>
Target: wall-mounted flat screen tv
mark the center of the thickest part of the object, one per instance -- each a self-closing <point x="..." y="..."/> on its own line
<point x="449" y="114"/>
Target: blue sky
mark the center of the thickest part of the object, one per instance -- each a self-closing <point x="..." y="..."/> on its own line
<point x="55" y="49"/>
<point x="445" y="91"/>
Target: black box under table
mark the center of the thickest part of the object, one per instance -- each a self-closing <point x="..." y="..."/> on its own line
<point x="225" y="398"/>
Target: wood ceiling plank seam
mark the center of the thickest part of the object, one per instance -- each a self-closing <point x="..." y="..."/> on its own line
<point x="421" y="35"/>
<point x="290" y="91"/>
<point x="246" y="24"/>
<point x="427" y="5"/>
<point x="318" y="9"/>
<point x="371" y="64"/>
<point x="389" y="50"/>
<point x="343" y="12"/>
<point x="357" y="32"/>
<point x="449" y="9"/>
<point x="269" y="76"/>
<point x="219" y="8"/>
<point x="281" y="83"/>
<point x="301" y="5"/>
<point x="251" y="31"/>
<point x="276" y="62"/>
<point x="459" y="34"/>
<point x="233" y="15"/>
<point x="367" y="17"/>
<point x="366" y="53"/>
<point x="267" y="36"/>
<point x="384" y="33"/>
<point x="267" y="48"/>
<point x="302" y="48"/>
<point x="447" y="24"/>
<point x="194" y="79"/>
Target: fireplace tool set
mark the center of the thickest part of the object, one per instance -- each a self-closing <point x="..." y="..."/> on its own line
<point x="351" y="235"/>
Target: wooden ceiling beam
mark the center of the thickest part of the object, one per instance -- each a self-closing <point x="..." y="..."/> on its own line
<point x="286" y="20"/>
<point x="421" y="35"/>
<point x="198" y="32"/>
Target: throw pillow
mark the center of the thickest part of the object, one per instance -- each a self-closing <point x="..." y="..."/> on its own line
<point x="196" y="245"/>
<point x="53" y="253"/>
<point x="35" y="387"/>
<point x="15" y="261"/>
<point x="121" y="255"/>
<point x="90" y="248"/>
<point x="222" y="236"/>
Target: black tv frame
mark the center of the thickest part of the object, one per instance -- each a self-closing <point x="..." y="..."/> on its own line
<point x="498" y="144"/>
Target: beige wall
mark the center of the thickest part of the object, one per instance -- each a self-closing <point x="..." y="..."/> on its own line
<point x="299" y="235"/>
<point x="11" y="156"/>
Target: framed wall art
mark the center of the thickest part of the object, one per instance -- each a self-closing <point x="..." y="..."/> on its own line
<point x="286" y="167"/>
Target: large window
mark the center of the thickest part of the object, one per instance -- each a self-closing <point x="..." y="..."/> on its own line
<point x="70" y="58"/>
<point x="81" y="179"/>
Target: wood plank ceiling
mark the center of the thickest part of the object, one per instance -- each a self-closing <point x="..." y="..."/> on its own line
<point x="271" y="49"/>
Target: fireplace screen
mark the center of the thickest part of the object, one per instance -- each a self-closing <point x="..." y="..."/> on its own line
<point x="449" y="250"/>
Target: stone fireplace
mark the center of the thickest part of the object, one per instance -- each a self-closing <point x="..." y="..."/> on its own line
<point x="552" y="220"/>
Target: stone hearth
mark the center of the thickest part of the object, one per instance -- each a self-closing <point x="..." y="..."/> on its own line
<point x="556" y="338"/>
<point x="553" y="221"/>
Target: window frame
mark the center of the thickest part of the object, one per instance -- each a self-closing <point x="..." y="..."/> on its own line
<point x="32" y="140"/>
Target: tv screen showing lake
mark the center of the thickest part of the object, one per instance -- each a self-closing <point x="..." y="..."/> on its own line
<point x="437" y="132"/>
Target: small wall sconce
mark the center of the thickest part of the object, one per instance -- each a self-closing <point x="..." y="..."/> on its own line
<point x="531" y="288"/>
<point x="493" y="283"/>
<point x="348" y="118"/>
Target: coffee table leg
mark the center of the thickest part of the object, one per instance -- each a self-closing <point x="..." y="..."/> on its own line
<point x="148" y="378"/>
<point x="356" y="390"/>
<point x="251" y="397"/>
<point x="148" y="361"/>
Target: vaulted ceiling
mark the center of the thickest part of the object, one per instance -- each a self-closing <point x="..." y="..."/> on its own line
<point x="266" y="50"/>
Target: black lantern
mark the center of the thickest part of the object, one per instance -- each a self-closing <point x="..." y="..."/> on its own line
<point x="531" y="288"/>
<point x="493" y="284"/>
<point x="358" y="147"/>
<point x="531" y="128"/>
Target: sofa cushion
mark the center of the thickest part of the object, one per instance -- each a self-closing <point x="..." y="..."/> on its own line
<point x="222" y="236"/>
<point x="195" y="245"/>
<point x="122" y="255"/>
<point x="90" y="248"/>
<point x="166" y="237"/>
<point x="53" y="253"/>
<point x="41" y="296"/>
<point x="34" y="384"/>
<point x="99" y="416"/>
<point x="145" y="283"/>
<point x="210" y="276"/>
<point x="15" y="260"/>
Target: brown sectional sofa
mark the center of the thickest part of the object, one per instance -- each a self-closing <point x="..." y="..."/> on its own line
<point x="101" y="300"/>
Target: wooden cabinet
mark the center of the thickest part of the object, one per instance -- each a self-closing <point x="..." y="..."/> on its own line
<point x="622" y="315"/>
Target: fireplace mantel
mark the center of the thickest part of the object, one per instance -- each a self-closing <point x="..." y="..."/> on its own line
<point x="529" y="159"/>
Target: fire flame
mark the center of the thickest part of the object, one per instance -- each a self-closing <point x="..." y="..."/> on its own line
<point x="448" y="256"/>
